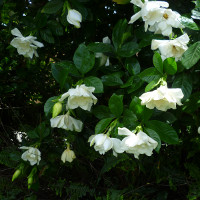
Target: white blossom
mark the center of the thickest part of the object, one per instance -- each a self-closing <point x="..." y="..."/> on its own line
<point x="137" y="144"/>
<point x="150" y="12"/>
<point x="162" y="98"/>
<point x="117" y="146"/>
<point x="171" y="48"/>
<point x="81" y="96"/>
<point x="103" y="143"/>
<point x="199" y="130"/>
<point x="33" y="155"/>
<point x="74" y="17"/>
<point x="68" y="155"/>
<point x="67" y="122"/>
<point x="104" y="60"/>
<point x="170" y="19"/>
<point x="26" y="46"/>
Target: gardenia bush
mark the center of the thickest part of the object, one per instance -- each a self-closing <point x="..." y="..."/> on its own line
<point x="124" y="112"/>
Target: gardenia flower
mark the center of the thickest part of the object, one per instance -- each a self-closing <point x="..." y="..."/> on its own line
<point x="81" y="96"/>
<point x="74" y="17"/>
<point x="162" y="98"/>
<point x="150" y="11"/>
<point x="104" y="60"/>
<point x="137" y="144"/>
<point x="171" y="48"/>
<point x="26" y="46"/>
<point x="67" y="122"/>
<point x="33" y="155"/>
<point x="104" y="143"/>
<point x="68" y="155"/>
<point x="168" y="20"/>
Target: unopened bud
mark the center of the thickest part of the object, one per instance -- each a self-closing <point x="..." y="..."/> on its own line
<point x="57" y="108"/>
<point x="16" y="174"/>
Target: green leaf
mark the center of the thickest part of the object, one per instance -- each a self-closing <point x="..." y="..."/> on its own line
<point x="47" y="36"/>
<point x="157" y="61"/>
<point x="55" y="27"/>
<point x="154" y="136"/>
<point x="102" y="112"/>
<point x="94" y="82"/>
<point x="146" y="114"/>
<point x="185" y="83"/>
<point x="189" y="23"/>
<point x="111" y="80"/>
<point x="101" y="125"/>
<point x="136" y="107"/>
<point x="33" y="134"/>
<point x="152" y="85"/>
<point x="100" y="47"/>
<point x="52" y="6"/>
<point x="137" y="83"/>
<point x="83" y="59"/>
<point x="170" y="66"/>
<point x="60" y="72"/>
<point x="165" y="131"/>
<point x="121" y="32"/>
<point x="133" y="66"/>
<point x="128" y="49"/>
<point x="49" y="105"/>
<point x="191" y="56"/>
<point x="128" y="83"/>
<point x="150" y="74"/>
<point x="115" y="104"/>
<point x="130" y="119"/>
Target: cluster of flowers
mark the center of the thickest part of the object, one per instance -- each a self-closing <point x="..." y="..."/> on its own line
<point x="158" y="19"/>
<point x="27" y="46"/>
<point x="136" y="144"/>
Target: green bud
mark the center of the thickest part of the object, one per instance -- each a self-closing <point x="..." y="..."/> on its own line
<point x="57" y="108"/>
<point x="31" y="177"/>
<point x="30" y="182"/>
<point x="16" y="174"/>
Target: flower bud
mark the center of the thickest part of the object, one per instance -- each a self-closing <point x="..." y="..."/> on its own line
<point x="30" y="182"/>
<point x="57" y="108"/>
<point x="31" y="177"/>
<point x="16" y="174"/>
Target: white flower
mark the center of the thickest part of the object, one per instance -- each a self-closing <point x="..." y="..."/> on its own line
<point x="74" y="17"/>
<point x="199" y="130"/>
<point x="117" y="146"/>
<point x="26" y="46"/>
<point x="150" y="11"/>
<point x="68" y="155"/>
<point x="81" y="96"/>
<point x="104" y="60"/>
<point x="162" y="98"/>
<point x="171" y="48"/>
<point x="168" y="20"/>
<point x="33" y="155"/>
<point x="104" y="143"/>
<point x="67" y="122"/>
<point x="137" y="144"/>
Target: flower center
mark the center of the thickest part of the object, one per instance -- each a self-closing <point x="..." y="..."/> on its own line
<point x="166" y="16"/>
